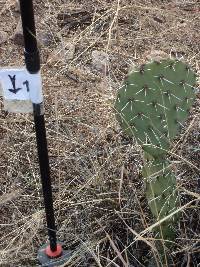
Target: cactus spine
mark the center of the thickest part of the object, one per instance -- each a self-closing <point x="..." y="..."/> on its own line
<point x="152" y="105"/>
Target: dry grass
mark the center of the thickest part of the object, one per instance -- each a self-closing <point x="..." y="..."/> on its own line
<point x="99" y="196"/>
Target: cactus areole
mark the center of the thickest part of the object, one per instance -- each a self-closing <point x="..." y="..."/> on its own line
<point x="153" y="103"/>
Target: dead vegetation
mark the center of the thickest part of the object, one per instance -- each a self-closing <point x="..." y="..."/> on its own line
<point x="100" y="204"/>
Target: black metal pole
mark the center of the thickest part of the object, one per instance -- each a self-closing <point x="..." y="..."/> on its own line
<point x="32" y="60"/>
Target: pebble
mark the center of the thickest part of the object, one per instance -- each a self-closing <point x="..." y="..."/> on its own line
<point x="156" y="55"/>
<point x="69" y="50"/>
<point x="3" y="37"/>
<point x="18" y="37"/>
<point x="100" y="60"/>
<point x="62" y="53"/>
<point x="44" y="39"/>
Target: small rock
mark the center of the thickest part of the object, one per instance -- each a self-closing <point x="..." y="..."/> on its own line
<point x="69" y="50"/>
<point x="158" y="19"/>
<point x="44" y="39"/>
<point x="55" y="56"/>
<point x="177" y="54"/>
<point x="62" y="53"/>
<point x="18" y="37"/>
<point x="100" y="60"/>
<point x="156" y="55"/>
<point x="3" y="37"/>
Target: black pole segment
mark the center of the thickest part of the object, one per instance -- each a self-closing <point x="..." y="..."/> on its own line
<point x="32" y="60"/>
<point x="45" y="179"/>
<point x="31" y="52"/>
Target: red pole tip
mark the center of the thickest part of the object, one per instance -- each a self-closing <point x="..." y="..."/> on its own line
<point x="54" y="254"/>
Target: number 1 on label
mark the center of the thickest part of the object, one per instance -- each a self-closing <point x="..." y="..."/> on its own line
<point x="27" y="85"/>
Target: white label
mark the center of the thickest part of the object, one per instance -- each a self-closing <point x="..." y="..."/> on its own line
<point x="19" y="84"/>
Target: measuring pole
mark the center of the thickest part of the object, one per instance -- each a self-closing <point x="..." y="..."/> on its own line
<point x="32" y="61"/>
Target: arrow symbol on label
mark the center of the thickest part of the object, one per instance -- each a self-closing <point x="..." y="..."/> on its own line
<point x="14" y="90"/>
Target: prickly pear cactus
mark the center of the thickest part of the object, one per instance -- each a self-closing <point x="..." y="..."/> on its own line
<point x="153" y="103"/>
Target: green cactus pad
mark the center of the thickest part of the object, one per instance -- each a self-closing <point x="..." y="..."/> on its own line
<point x="161" y="194"/>
<point x="154" y="101"/>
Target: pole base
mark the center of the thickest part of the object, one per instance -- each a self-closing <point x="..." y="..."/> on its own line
<point x="47" y="258"/>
